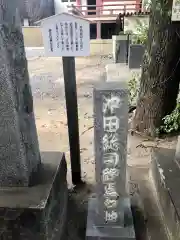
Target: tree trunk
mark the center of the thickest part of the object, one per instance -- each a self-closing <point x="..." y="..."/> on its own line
<point x="161" y="69"/>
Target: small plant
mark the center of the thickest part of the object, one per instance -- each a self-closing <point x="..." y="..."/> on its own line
<point x="171" y="122"/>
<point x="147" y="5"/>
<point x="141" y="33"/>
<point x="133" y="86"/>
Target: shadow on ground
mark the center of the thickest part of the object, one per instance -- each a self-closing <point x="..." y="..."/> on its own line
<point x="77" y="212"/>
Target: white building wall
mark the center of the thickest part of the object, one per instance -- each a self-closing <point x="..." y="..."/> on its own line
<point x="60" y="6"/>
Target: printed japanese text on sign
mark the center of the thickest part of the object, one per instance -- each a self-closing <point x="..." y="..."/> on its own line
<point x="71" y="36"/>
<point x="62" y="36"/>
<point x="67" y="36"/>
<point x="57" y="36"/>
<point x="76" y="35"/>
<point x="50" y="40"/>
<point x="81" y="37"/>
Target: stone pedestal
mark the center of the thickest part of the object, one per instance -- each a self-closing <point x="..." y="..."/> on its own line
<point x="106" y="232"/>
<point x="166" y="175"/>
<point x="135" y="58"/>
<point x="37" y="212"/>
<point x="120" y="48"/>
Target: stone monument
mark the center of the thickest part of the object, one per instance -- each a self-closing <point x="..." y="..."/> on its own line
<point x="121" y="48"/>
<point x="109" y="214"/>
<point x="33" y="188"/>
<point x="135" y="56"/>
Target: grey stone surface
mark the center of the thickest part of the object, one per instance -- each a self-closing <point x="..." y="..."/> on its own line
<point x="37" y="212"/>
<point x="19" y="154"/>
<point x="111" y="126"/>
<point x="107" y="232"/>
<point x="166" y="174"/>
<point x="135" y="58"/>
<point x="177" y="154"/>
<point x="120" y="72"/>
<point x="121" y="46"/>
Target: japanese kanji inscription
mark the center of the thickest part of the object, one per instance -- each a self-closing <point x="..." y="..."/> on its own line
<point x="111" y="125"/>
<point x="66" y="35"/>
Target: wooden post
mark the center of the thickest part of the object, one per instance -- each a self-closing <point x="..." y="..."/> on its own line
<point x="72" y="117"/>
<point x="68" y="36"/>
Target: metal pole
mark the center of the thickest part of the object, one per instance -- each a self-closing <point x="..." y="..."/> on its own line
<point x="72" y="117"/>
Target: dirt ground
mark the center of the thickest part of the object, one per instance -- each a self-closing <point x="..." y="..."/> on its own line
<point x="47" y="83"/>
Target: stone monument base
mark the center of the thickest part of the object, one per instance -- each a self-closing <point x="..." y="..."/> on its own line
<point x="136" y="52"/>
<point x="166" y="175"/>
<point x="37" y="212"/>
<point x="105" y="232"/>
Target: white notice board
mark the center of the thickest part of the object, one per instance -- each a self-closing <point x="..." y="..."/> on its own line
<point x="175" y="10"/>
<point x="66" y="35"/>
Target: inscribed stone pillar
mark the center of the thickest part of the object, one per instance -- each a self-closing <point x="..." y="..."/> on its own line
<point x="19" y="149"/>
<point x="111" y="126"/>
<point x="109" y="214"/>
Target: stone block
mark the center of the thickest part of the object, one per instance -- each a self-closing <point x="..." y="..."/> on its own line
<point x="166" y="174"/>
<point x="37" y="212"/>
<point x="135" y="58"/>
<point x="120" y="48"/>
<point x="107" y="232"/>
<point x="19" y="155"/>
<point x="120" y="72"/>
<point x="117" y="72"/>
<point x="110" y="132"/>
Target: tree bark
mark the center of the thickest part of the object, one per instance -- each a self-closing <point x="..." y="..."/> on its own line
<point x="160" y="71"/>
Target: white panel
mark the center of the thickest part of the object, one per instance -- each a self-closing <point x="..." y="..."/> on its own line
<point x="66" y="35"/>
